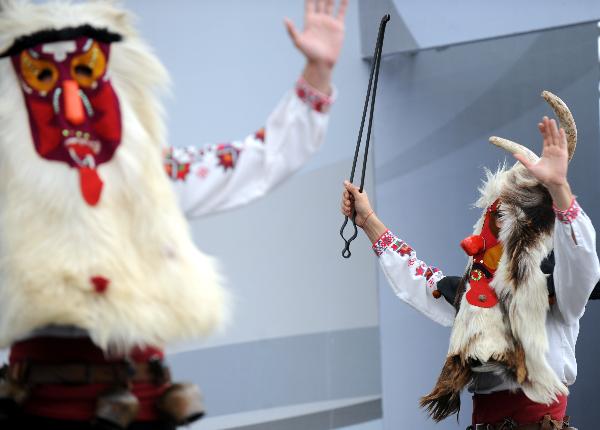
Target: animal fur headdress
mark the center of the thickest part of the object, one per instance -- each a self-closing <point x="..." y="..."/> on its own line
<point x="511" y="333"/>
<point x="124" y="269"/>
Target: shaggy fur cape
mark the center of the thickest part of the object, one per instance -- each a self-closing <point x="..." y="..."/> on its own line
<point x="162" y="288"/>
<point x="512" y="333"/>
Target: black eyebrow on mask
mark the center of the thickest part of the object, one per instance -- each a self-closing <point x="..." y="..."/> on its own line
<point x="66" y="33"/>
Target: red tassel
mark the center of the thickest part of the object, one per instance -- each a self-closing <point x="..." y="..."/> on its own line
<point x="100" y="283"/>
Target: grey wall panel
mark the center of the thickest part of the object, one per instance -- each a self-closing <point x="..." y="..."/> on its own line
<point x="285" y="371"/>
<point x="433" y="23"/>
<point x="434" y="115"/>
<point x="350" y="415"/>
<point x="398" y="37"/>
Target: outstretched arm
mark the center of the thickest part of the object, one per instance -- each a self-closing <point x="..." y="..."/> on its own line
<point x="412" y="280"/>
<point x="215" y="177"/>
<point x="577" y="269"/>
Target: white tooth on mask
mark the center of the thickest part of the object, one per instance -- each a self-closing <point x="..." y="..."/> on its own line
<point x="89" y="161"/>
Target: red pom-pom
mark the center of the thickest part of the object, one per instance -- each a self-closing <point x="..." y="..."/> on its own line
<point x="100" y="283"/>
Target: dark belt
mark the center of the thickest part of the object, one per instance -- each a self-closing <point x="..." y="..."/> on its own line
<point x="122" y="373"/>
<point x="179" y="404"/>
<point x="547" y="423"/>
<point x="504" y="427"/>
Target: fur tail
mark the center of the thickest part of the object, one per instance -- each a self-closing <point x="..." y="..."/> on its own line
<point x="444" y="400"/>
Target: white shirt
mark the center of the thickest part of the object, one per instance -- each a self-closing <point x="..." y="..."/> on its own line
<point x="576" y="272"/>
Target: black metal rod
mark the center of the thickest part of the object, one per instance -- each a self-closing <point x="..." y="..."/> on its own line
<point x="373" y="78"/>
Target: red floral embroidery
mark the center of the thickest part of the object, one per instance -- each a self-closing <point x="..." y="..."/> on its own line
<point x="405" y="249"/>
<point x="430" y="272"/>
<point x="176" y="170"/>
<point x="384" y="242"/>
<point x="419" y="271"/>
<point x="314" y="98"/>
<point x="418" y="267"/>
<point x="568" y="215"/>
<point x="260" y="135"/>
<point x="202" y="172"/>
<point x="227" y="155"/>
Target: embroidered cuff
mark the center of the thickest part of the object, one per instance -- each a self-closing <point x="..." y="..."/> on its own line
<point x="177" y="163"/>
<point x="311" y="96"/>
<point x="383" y="242"/>
<point x="569" y="215"/>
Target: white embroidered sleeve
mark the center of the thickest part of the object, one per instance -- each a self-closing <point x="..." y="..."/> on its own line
<point x="216" y="177"/>
<point x="577" y="269"/>
<point x="412" y="280"/>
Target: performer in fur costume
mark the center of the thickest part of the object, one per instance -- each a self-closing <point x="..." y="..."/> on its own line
<point x="97" y="267"/>
<point x="532" y="267"/>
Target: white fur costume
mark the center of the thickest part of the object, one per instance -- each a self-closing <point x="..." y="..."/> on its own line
<point x="162" y="288"/>
<point x="485" y="334"/>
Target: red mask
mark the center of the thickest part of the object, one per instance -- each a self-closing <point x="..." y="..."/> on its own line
<point x="481" y="247"/>
<point x="74" y="113"/>
<point x="477" y="244"/>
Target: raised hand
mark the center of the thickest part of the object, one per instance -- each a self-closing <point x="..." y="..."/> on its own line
<point x="353" y="200"/>
<point x="321" y="40"/>
<point x="551" y="169"/>
<point x="323" y="35"/>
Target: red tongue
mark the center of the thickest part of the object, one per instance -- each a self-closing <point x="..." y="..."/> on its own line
<point x="90" y="184"/>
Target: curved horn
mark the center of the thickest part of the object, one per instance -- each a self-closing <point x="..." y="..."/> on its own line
<point x="565" y="117"/>
<point x="566" y="120"/>
<point x="514" y="148"/>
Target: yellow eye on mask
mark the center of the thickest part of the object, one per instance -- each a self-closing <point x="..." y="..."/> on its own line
<point x="40" y="75"/>
<point x="88" y="67"/>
